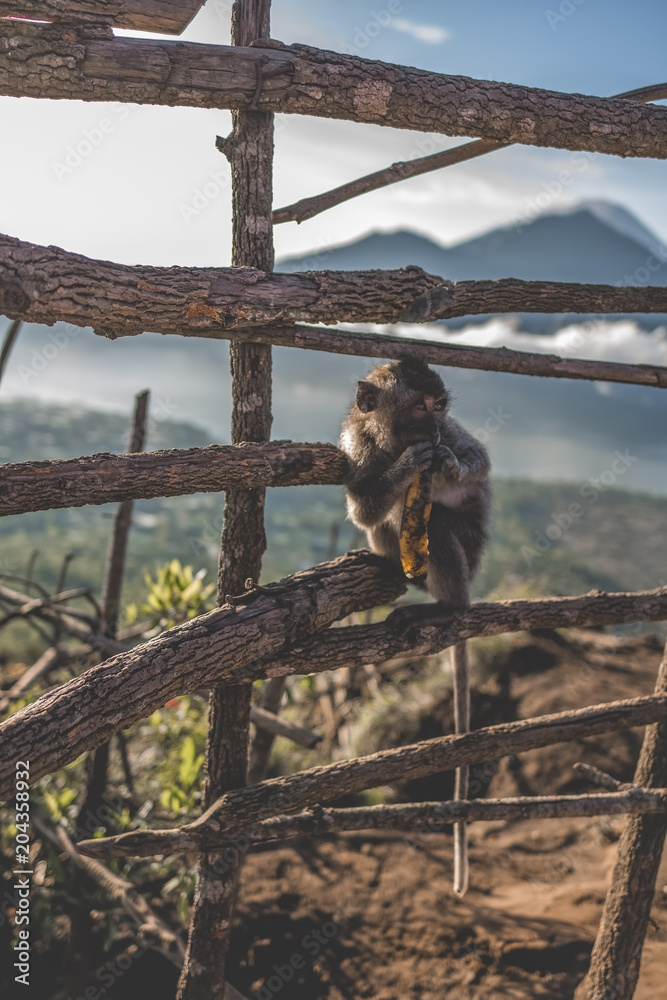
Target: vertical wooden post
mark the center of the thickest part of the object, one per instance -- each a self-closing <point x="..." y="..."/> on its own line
<point x="617" y="953"/>
<point x="250" y="152"/>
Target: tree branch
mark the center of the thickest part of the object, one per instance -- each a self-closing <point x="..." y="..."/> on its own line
<point x="617" y="953"/>
<point x="238" y="809"/>
<point x="355" y="645"/>
<point x="169" y="17"/>
<point x="227" y="646"/>
<point x="307" y="208"/>
<point x="208" y="650"/>
<point x="47" y="285"/>
<point x="88" y="64"/>
<point x="272" y="724"/>
<point x="97" y="479"/>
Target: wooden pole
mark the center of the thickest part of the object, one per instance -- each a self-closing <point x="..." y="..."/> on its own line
<point x="617" y="953"/>
<point x="250" y="152"/>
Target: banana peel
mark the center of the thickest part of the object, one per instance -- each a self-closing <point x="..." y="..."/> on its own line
<point x="413" y="537"/>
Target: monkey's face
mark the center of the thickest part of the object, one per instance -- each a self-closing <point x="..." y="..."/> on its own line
<point x="421" y="420"/>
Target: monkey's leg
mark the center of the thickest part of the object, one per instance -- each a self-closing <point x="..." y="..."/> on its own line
<point x="448" y="581"/>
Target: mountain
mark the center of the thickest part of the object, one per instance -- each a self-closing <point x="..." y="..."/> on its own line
<point x="596" y="242"/>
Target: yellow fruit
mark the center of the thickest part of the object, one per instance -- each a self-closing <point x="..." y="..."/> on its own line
<point x="413" y="539"/>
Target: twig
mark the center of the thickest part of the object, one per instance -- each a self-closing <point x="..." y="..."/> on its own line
<point x="8" y="343"/>
<point x="151" y="928"/>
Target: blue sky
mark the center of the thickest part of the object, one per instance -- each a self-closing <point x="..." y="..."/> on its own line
<point x="132" y="198"/>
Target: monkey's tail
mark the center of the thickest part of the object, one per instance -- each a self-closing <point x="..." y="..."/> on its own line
<point x="462" y="725"/>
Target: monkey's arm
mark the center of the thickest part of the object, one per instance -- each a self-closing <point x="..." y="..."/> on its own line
<point x="460" y="456"/>
<point x="372" y="492"/>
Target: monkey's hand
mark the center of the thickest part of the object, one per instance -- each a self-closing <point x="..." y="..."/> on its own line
<point x="416" y="458"/>
<point x="446" y="462"/>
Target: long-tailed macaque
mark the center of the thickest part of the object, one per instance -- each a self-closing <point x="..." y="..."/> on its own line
<point x="398" y="427"/>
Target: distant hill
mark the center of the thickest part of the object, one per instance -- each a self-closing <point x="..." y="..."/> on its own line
<point x="597" y="243"/>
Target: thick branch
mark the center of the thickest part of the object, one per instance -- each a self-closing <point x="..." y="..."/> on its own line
<point x="426" y="817"/>
<point x="616" y="957"/>
<point x="211" y="649"/>
<point x="355" y="645"/>
<point x="169" y="17"/>
<point x="97" y="479"/>
<point x="240" y="646"/>
<point x="239" y="808"/>
<point x="44" y="61"/>
<point x="307" y="208"/>
<point x="46" y="284"/>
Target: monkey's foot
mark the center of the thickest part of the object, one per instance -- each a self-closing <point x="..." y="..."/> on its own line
<point x="420" y="614"/>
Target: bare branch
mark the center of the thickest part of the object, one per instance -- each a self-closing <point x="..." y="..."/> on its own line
<point x="157" y="934"/>
<point x="97" y="479"/>
<point x="47" y="285"/>
<point x="240" y="808"/>
<point x="169" y="17"/>
<point x="211" y="649"/>
<point x="307" y="208"/>
<point x="617" y="953"/>
<point x="271" y="723"/>
<point x="89" y="64"/>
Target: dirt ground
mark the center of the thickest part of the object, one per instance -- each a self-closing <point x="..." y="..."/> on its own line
<point x="374" y="916"/>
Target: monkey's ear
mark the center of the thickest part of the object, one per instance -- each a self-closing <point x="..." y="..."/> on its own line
<point x="367" y="399"/>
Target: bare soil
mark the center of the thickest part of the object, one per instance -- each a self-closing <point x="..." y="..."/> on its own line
<point x="374" y="916"/>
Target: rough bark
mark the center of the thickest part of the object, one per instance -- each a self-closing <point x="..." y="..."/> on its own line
<point x="355" y="645"/>
<point x="83" y="713"/>
<point x="88" y="65"/>
<point x="249" y="149"/>
<point x="97" y="479"/>
<point x="169" y="17"/>
<point x="307" y="208"/>
<point x="430" y="817"/>
<point x="238" y="809"/>
<point x="46" y="285"/>
<point x="616" y="957"/>
<point x="242" y="645"/>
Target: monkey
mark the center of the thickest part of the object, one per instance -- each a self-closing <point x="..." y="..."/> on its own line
<point x="399" y="426"/>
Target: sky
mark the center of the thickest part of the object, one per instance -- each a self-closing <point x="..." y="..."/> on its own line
<point x="154" y="189"/>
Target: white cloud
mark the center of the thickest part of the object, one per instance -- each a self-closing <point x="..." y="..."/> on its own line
<point x="431" y="34"/>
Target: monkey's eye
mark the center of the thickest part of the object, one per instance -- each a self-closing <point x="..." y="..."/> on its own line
<point x="439" y="406"/>
<point x="420" y="406"/>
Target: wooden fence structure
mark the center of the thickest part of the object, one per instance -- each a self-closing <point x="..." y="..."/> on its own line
<point x="270" y="632"/>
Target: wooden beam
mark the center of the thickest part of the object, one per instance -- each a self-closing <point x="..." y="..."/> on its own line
<point x="46" y="284"/>
<point x="254" y="638"/>
<point x="238" y="809"/>
<point x="89" y="65"/>
<point x="169" y="17"/>
<point x="105" y="478"/>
